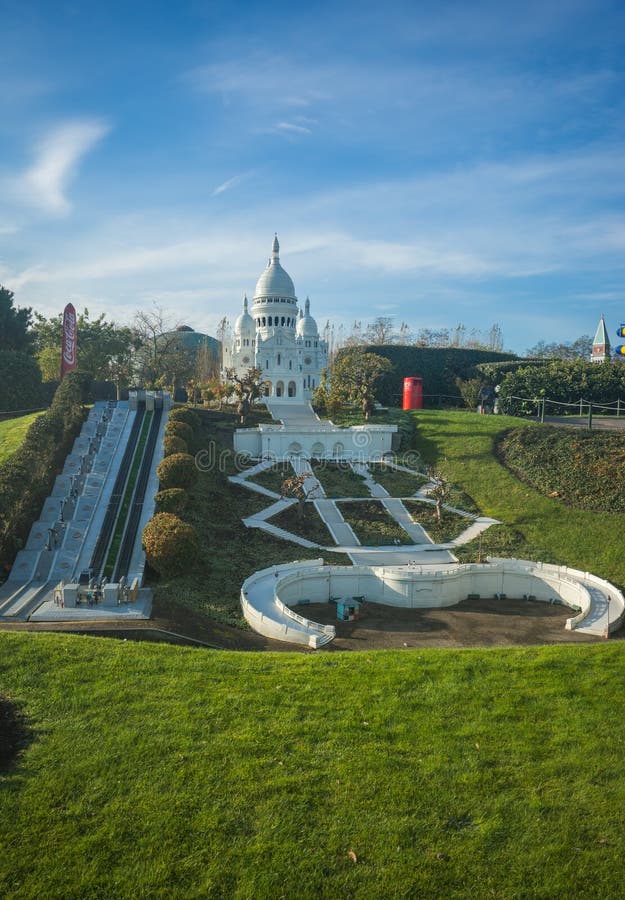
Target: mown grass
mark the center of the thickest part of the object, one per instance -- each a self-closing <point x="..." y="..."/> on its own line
<point x="372" y="524"/>
<point x="229" y="552"/>
<point x="309" y="526"/>
<point x="159" y="771"/>
<point x="463" y="444"/>
<point x="12" y="432"/>
<point x="396" y="482"/>
<point x="585" y="469"/>
<point x="338" y="479"/>
<point x="272" y="478"/>
<point x="449" y="527"/>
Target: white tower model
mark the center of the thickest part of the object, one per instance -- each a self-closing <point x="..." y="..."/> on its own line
<point x="277" y="337"/>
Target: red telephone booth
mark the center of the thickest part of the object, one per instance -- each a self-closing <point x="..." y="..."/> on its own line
<point x="413" y="393"/>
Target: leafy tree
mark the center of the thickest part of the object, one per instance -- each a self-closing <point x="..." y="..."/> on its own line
<point x="20" y="381"/>
<point x="294" y="487"/>
<point x="14" y="324"/>
<point x="105" y="349"/>
<point x="248" y="389"/>
<point x="440" y="490"/>
<point x="354" y="378"/>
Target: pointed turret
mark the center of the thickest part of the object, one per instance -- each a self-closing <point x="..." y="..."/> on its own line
<point x="600" y="344"/>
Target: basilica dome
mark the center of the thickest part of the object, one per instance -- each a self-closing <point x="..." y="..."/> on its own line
<point x="244" y="323"/>
<point x="275" y="281"/>
<point x="306" y="325"/>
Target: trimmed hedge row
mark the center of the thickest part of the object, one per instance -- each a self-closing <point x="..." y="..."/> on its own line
<point x="439" y="368"/>
<point x="20" y="382"/>
<point x="566" y="381"/>
<point x="27" y="477"/>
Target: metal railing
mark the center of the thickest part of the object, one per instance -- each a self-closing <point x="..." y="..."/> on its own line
<point x="539" y="407"/>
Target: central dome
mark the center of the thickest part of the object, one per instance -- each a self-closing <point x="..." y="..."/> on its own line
<point x="274" y="281"/>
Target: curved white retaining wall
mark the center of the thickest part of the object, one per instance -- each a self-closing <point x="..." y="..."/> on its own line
<point x="418" y="587"/>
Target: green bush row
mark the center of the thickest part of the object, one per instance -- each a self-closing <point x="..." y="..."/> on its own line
<point x="439" y="369"/>
<point x="20" y="382"/>
<point x="27" y="477"/>
<point x="565" y="381"/>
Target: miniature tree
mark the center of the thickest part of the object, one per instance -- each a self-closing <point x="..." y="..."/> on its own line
<point x="440" y="491"/>
<point x="294" y="487"/>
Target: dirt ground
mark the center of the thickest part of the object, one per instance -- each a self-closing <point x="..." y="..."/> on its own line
<point x="472" y="623"/>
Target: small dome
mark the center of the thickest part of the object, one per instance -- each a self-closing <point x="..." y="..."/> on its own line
<point x="184" y="328"/>
<point x="244" y="322"/>
<point x="306" y="325"/>
<point x="274" y="281"/>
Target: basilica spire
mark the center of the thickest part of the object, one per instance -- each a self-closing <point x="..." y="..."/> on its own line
<point x="275" y="247"/>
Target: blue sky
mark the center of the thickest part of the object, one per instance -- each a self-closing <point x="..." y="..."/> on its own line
<point x="435" y="162"/>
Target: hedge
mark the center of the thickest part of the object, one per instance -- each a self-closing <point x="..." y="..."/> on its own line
<point x="171" y="545"/>
<point x="20" y="382"/>
<point x="565" y="381"/>
<point x="172" y="500"/>
<point x="180" y="430"/>
<point x="177" y="471"/>
<point x="186" y="415"/>
<point x="27" y="477"/>
<point x="439" y="368"/>
<point x="173" y="444"/>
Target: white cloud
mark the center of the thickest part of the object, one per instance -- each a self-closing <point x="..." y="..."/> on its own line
<point x="230" y="183"/>
<point x="57" y="158"/>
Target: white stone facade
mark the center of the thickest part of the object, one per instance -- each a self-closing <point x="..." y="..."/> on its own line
<point x="278" y="337"/>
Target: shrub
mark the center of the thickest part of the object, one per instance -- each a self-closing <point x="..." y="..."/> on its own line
<point x="20" y="381"/>
<point x="470" y="391"/>
<point x="186" y="415"/>
<point x="180" y="430"/>
<point x="177" y="471"/>
<point x="173" y="500"/>
<point x="439" y="369"/>
<point x="171" y="545"/>
<point x="173" y="444"/>
<point x="26" y="478"/>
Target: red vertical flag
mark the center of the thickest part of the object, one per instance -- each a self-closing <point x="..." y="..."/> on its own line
<point x="70" y="336"/>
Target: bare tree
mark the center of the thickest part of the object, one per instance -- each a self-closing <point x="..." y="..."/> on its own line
<point x="381" y="331"/>
<point x="162" y="360"/>
<point x="440" y="490"/>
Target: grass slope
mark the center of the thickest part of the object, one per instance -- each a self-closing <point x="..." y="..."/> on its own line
<point x="585" y="469"/>
<point x="229" y="551"/>
<point x="12" y="433"/>
<point x="536" y="527"/>
<point x="156" y="771"/>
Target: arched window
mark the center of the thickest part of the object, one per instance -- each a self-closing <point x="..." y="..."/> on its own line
<point x="263" y="321"/>
<point x="290" y="364"/>
<point x="278" y="359"/>
<point x="279" y="388"/>
<point x="292" y="389"/>
<point x="282" y="321"/>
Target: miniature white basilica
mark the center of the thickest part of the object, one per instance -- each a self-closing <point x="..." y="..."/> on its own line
<point x="278" y="337"/>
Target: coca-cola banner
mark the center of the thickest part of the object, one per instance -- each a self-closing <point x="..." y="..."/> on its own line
<point x="70" y="336"/>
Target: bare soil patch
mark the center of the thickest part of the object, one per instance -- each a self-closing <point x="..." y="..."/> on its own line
<point x="472" y="623"/>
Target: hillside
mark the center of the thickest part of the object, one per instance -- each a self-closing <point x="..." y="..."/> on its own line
<point x="12" y="432"/>
<point x="584" y="469"/>
<point x="162" y="771"/>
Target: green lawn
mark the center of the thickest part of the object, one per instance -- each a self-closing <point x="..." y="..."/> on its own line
<point x="309" y="526"/>
<point x="372" y="524"/>
<point x="535" y="526"/>
<point x="157" y="771"/>
<point x="272" y="478"/>
<point x="229" y="551"/>
<point x="338" y="479"/>
<point x="12" y="433"/>
<point x="396" y="482"/>
<point x="450" y="526"/>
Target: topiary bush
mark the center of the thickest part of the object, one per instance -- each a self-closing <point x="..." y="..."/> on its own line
<point x="177" y="471"/>
<point x="173" y="444"/>
<point x="186" y="415"/>
<point x="171" y="545"/>
<point x="180" y="430"/>
<point x="173" y="500"/>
